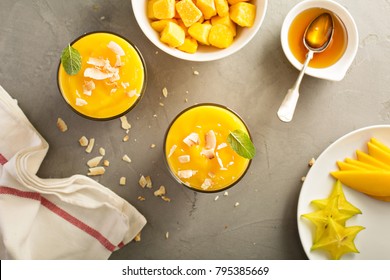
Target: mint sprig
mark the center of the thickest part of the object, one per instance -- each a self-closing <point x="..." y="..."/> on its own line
<point x="71" y="60"/>
<point x="240" y="142"/>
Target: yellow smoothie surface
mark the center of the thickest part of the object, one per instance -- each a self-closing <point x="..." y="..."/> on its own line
<point x="111" y="79"/>
<point x="197" y="151"/>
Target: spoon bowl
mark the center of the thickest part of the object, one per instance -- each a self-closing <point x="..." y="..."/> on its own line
<point x="316" y="38"/>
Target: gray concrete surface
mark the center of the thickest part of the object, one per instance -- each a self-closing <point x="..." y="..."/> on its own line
<point x="253" y="82"/>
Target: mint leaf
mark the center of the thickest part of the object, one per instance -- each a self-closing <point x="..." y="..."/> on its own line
<point x="241" y="144"/>
<point x="71" y="60"/>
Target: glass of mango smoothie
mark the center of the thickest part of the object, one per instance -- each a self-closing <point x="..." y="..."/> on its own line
<point x="197" y="151"/>
<point x="112" y="78"/>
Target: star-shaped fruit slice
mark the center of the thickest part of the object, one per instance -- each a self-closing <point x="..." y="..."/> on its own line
<point x="337" y="239"/>
<point x="320" y="218"/>
<point x="343" y="205"/>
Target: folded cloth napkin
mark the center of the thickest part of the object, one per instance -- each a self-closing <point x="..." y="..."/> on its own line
<point x="70" y="218"/>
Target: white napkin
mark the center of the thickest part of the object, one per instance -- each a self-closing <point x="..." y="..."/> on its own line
<point x="70" y="218"/>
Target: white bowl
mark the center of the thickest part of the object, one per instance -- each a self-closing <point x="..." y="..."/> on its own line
<point x="337" y="71"/>
<point x="204" y="53"/>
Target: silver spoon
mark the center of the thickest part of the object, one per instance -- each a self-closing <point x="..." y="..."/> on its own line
<point x="316" y="38"/>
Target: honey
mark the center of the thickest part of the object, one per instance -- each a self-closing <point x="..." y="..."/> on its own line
<point x="331" y="54"/>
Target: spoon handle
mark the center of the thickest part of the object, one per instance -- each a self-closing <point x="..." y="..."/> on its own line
<point x="287" y="108"/>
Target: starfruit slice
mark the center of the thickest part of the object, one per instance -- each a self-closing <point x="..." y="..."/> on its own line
<point x="320" y="218"/>
<point x="337" y="239"/>
<point x="343" y="205"/>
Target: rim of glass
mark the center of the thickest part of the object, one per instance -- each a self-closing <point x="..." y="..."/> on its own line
<point x="165" y="142"/>
<point x="143" y="86"/>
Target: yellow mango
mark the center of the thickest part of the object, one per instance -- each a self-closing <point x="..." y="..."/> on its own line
<point x="164" y="9"/>
<point x="361" y="164"/>
<point x="243" y="14"/>
<point x="371" y="182"/>
<point x="220" y="36"/>
<point x="363" y="157"/>
<point x="159" y="25"/>
<point x="222" y="7"/>
<point x="173" y="35"/>
<point x="200" y="32"/>
<point x="346" y="166"/>
<point x="190" y="45"/>
<point x="232" y="2"/>
<point x="376" y="142"/>
<point x="378" y="153"/>
<point x="226" y="20"/>
<point x="188" y="12"/>
<point x="207" y="7"/>
<point x="150" y="12"/>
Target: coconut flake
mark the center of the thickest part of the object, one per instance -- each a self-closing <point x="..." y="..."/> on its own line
<point x="221" y="146"/>
<point x="80" y="102"/>
<point x="116" y="48"/>
<point x="88" y="87"/>
<point x="192" y="139"/>
<point x="207" y="183"/>
<point x="132" y="93"/>
<point x="185" y="174"/>
<point x="98" y="62"/>
<point x="172" y="150"/>
<point x="96" y="74"/>
<point x="211" y="140"/>
<point x="184" y="158"/>
<point x="208" y="153"/>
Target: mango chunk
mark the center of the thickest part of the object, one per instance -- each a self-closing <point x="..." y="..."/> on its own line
<point x="243" y="14"/>
<point x="207" y="7"/>
<point x="149" y="9"/>
<point x="232" y="2"/>
<point x="371" y="182"/>
<point x="188" y="12"/>
<point x="226" y="20"/>
<point x="163" y="9"/>
<point x="173" y="35"/>
<point x="190" y="45"/>
<point x="222" y="7"/>
<point x="220" y="36"/>
<point x="200" y="32"/>
<point x="159" y="25"/>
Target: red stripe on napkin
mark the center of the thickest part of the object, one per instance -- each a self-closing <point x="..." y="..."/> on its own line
<point x="3" y="160"/>
<point x="62" y="213"/>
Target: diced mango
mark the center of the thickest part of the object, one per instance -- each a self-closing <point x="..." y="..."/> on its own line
<point x="150" y="12"/>
<point x="207" y="7"/>
<point x="243" y="14"/>
<point x="159" y="25"/>
<point x="200" y="32"/>
<point x="164" y="9"/>
<point x="173" y="35"/>
<point x="220" y="36"/>
<point x="232" y="2"/>
<point x="185" y="28"/>
<point x="226" y="20"/>
<point x="188" y="12"/>
<point x="222" y="7"/>
<point x="190" y="45"/>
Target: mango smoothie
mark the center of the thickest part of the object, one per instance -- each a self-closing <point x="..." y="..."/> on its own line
<point x="197" y="152"/>
<point x="112" y="78"/>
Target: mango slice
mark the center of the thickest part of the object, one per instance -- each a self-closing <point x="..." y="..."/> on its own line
<point x="378" y="143"/>
<point x="361" y="164"/>
<point x="366" y="158"/>
<point x="378" y="153"/>
<point x="371" y="182"/>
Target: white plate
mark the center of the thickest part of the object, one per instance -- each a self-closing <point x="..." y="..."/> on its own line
<point x="374" y="241"/>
